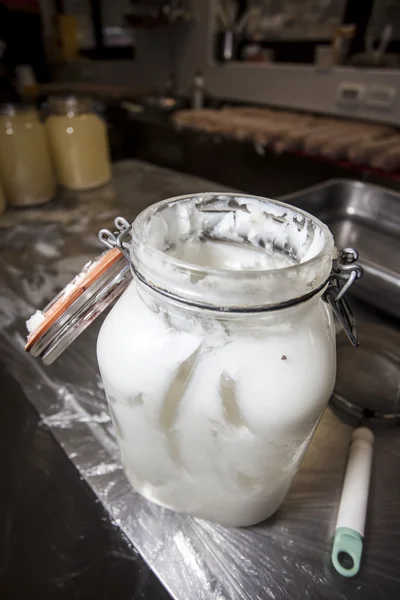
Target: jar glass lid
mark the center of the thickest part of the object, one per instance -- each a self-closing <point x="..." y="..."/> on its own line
<point x="98" y="284"/>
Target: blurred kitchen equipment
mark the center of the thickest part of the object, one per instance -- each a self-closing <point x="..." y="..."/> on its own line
<point x="176" y="10"/>
<point x="159" y="101"/>
<point x="334" y="54"/>
<point x="282" y="130"/>
<point x="258" y="25"/>
<point x="242" y="23"/>
<point x="367" y="387"/>
<point x="366" y="216"/>
<point x="68" y="38"/>
<point x="157" y="13"/>
<point x="26" y="169"/>
<point x="79" y="142"/>
<point x="198" y="91"/>
<point x="368" y="150"/>
<point x="383" y="44"/>
<point x="388" y="160"/>
<point x="164" y="99"/>
<point x="231" y="30"/>
<point x="228" y="45"/>
<point x="323" y="56"/>
<point x="376" y="56"/>
<point x="226" y="13"/>
<point x="340" y="45"/>
<point x="26" y="82"/>
<point x="256" y="53"/>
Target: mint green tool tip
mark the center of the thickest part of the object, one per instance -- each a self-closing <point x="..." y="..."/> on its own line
<point x="347" y="551"/>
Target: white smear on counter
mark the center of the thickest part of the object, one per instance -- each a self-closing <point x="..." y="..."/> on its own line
<point x="67" y="418"/>
<point x="39" y="286"/>
<point x="102" y="469"/>
<point x="47" y="250"/>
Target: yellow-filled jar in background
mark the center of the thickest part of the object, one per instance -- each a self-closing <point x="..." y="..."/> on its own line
<point x="3" y="202"/>
<point x="79" y="142"/>
<point x="26" y="170"/>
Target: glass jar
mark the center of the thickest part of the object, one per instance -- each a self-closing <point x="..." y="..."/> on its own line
<point x="3" y="203"/>
<point x="215" y="372"/>
<point x="26" y="170"/>
<point x="79" y="142"/>
<point x="219" y="358"/>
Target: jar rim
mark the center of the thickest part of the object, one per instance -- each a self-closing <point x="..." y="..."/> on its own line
<point x="150" y="211"/>
<point x="10" y="109"/>
<point x="72" y="104"/>
<point x="145" y="254"/>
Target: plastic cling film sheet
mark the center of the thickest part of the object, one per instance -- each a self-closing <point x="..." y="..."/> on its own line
<point x="286" y="557"/>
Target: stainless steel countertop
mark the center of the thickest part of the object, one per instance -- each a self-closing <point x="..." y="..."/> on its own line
<point x="288" y="556"/>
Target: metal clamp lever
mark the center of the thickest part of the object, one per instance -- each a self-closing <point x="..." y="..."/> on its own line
<point x="117" y="239"/>
<point x="345" y="272"/>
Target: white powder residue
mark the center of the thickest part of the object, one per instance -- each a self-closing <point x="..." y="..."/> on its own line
<point x="69" y="288"/>
<point x="83" y="273"/>
<point x="35" y="321"/>
<point x="76" y="280"/>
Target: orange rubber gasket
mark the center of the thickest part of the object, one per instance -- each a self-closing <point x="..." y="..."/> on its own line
<point x="96" y="270"/>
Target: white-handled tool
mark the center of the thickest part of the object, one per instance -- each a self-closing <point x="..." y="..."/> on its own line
<point x="349" y="534"/>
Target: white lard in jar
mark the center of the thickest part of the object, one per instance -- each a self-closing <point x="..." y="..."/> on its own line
<point x="219" y="358"/>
